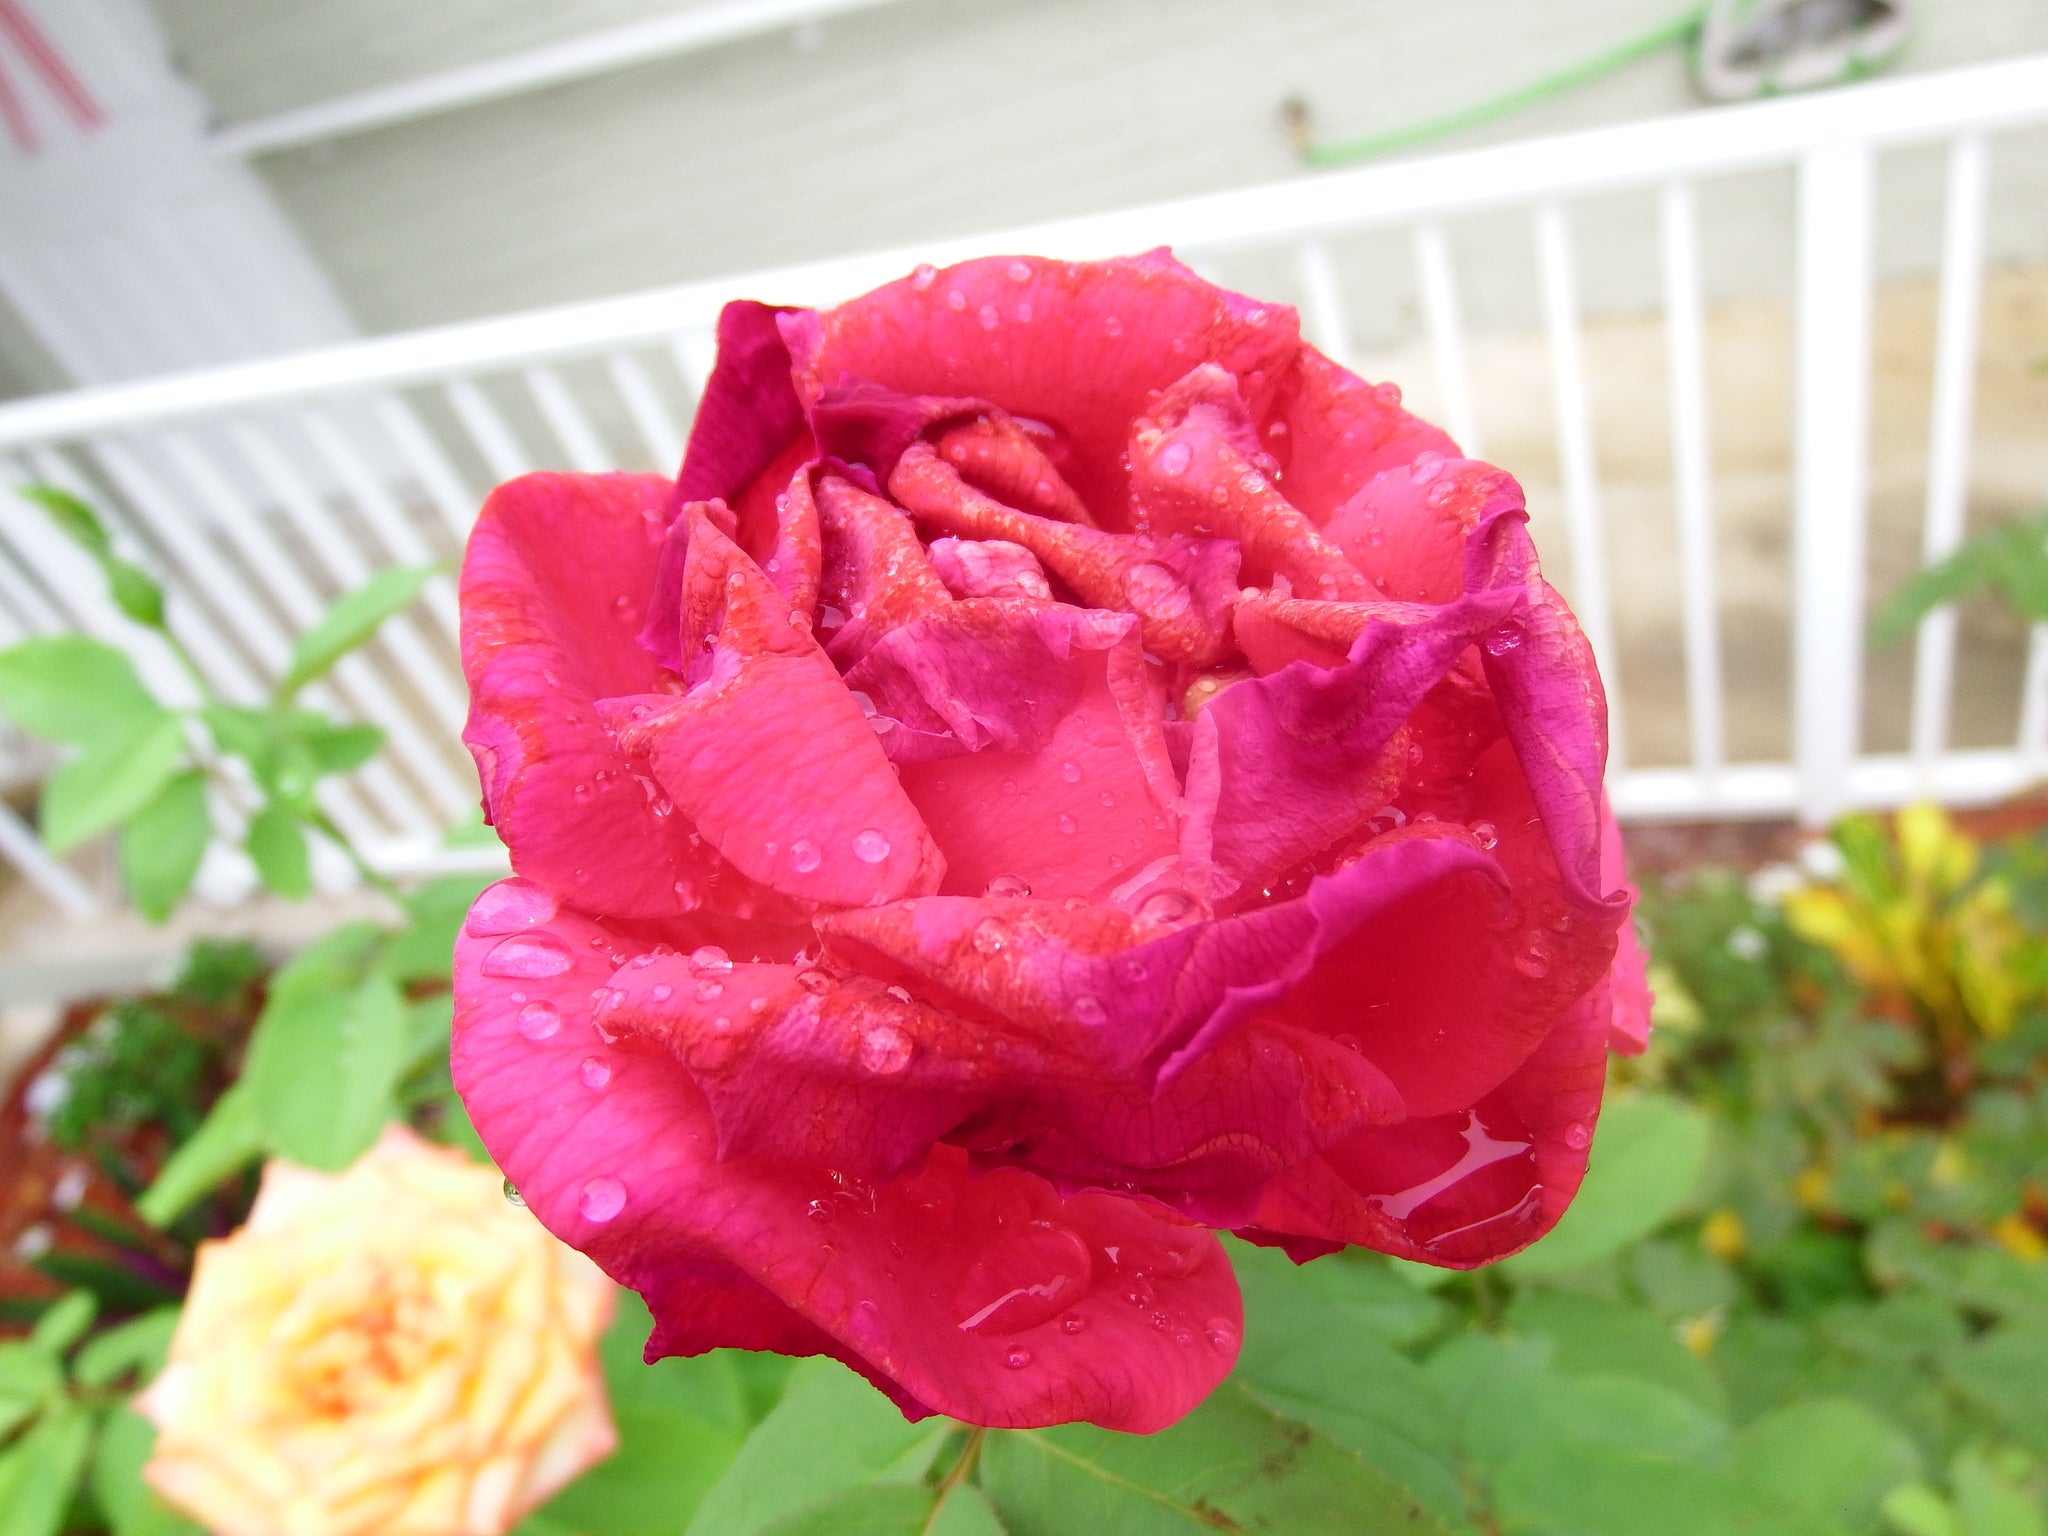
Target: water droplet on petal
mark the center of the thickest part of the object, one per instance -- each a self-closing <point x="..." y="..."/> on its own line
<point x="539" y="1019"/>
<point x="1017" y="1357"/>
<point x="660" y="992"/>
<point x="819" y="1211"/>
<point x="885" y="1050"/>
<point x="1020" y="271"/>
<point x="508" y="907"/>
<point x="596" y="1072"/>
<point x="1504" y="639"/>
<point x="1534" y="962"/>
<point x="1175" y="457"/>
<point x="513" y="1197"/>
<point x="1071" y="772"/>
<point x="1487" y="834"/>
<point x="1578" y="1136"/>
<point x="870" y="846"/>
<point x="527" y="956"/>
<point x="1074" y="1322"/>
<point x="1089" y="1010"/>
<point x="1007" y="885"/>
<point x="1220" y="1333"/>
<point x="1028" y="1273"/>
<point x="707" y="990"/>
<point x="1112" y="326"/>
<point x="989" y="317"/>
<point x="814" y="981"/>
<point x="804" y="856"/>
<point x="923" y="276"/>
<point x="988" y="938"/>
<point x="602" y="1199"/>
<point x="709" y="957"/>
<point x="1168" y="908"/>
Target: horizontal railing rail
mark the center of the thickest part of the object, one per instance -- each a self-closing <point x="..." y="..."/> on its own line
<point x="262" y="489"/>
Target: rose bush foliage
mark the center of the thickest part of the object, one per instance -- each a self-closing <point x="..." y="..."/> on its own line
<point x="1066" y="767"/>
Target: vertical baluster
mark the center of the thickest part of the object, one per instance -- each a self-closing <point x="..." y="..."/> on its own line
<point x="566" y="420"/>
<point x="417" y="447"/>
<point x="651" y="418"/>
<point x="1830" y="471"/>
<point x="1575" y="459"/>
<point x="487" y="429"/>
<point x="1446" y="334"/>
<point x="1327" y="327"/>
<point x="1948" y="441"/>
<point x="20" y="846"/>
<point x="1692" y="476"/>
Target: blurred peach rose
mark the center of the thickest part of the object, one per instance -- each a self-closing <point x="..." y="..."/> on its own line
<point x="394" y="1349"/>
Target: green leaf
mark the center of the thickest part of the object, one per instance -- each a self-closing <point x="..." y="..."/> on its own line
<point x="134" y="592"/>
<point x="665" y="1464"/>
<point x="1831" y="1457"/>
<point x="1589" y="1337"/>
<point x="64" y="1324"/>
<point x="1541" y="1413"/>
<point x="351" y="620"/>
<point x="117" y="1289"/>
<point x="1579" y="1490"/>
<point x="1230" y="1465"/>
<point x="1915" y="1509"/>
<point x="277" y="842"/>
<point x="113" y="778"/>
<point x="163" y="843"/>
<point x="879" y="1509"/>
<point x="138" y="1345"/>
<point x="40" y="1472"/>
<point x="29" y="1379"/>
<point x="424" y="950"/>
<point x="131" y="1505"/>
<point x="68" y="688"/>
<point x="1308" y="1355"/>
<point x="1992" y="1496"/>
<point x="227" y="1141"/>
<point x="327" y="1052"/>
<point x="250" y="734"/>
<point x="339" y="748"/>
<point x="2005" y="1374"/>
<point x="831" y="1431"/>
<point x="1646" y="1161"/>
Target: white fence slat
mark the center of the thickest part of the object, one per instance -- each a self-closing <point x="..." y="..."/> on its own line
<point x="1446" y="335"/>
<point x="57" y="880"/>
<point x="651" y="418"/>
<point x="493" y="438"/>
<point x="416" y="445"/>
<point x="1576" y="464"/>
<point x="566" y="420"/>
<point x="1948" y="451"/>
<point x="1327" y="327"/>
<point x="1692" y="476"/>
<point x="1830" y="473"/>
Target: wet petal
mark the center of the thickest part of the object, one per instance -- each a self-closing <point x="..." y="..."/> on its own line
<point x="1197" y="469"/>
<point x="1030" y="740"/>
<point x="877" y="576"/>
<point x="542" y="639"/>
<point x="989" y="1298"/>
<point x="749" y="412"/>
<point x="1339" y="433"/>
<point x="1079" y="346"/>
<point x="1407" y="527"/>
<point x="830" y="824"/>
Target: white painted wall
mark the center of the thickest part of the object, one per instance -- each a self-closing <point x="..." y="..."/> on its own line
<point x="938" y="116"/>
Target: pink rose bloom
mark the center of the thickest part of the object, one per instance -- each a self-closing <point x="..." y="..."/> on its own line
<point x="1065" y="768"/>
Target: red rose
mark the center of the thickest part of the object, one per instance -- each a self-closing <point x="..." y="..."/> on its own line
<point x="1066" y="767"/>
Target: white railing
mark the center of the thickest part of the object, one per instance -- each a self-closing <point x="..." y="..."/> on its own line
<point x="262" y="489"/>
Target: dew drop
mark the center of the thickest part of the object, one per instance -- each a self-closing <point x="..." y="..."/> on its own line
<point x="923" y="276"/>
<point x="870" y="846"/>
<point x="1504" y="639"/>
<point x="1020" y="271"/>
<point x="508" y="907"/>
<point x="709" y="957"/>
<point x="581" y="792"/>
<point x="1089" y="1010"/>
<point x="1487" y="834"/>
<point x="956" y="300"/>
<point x="1112" y="326"/>
<point x="660" y="992"/>
<point x="1017" y="1358"/>
<point x="1064" y="822"/>
<point x="539" y="1019"/>
<point x="1175" y="457"/>
<point x="707" y="990"/>
<point x="527" y="956"/>
<point x="885" y="1051"/>
<point x="804" y="856"/>
<point x="1388" y="394"/>
<point x="1534" y="962"/>
<point x="595" y="1071"/>
<point x="1578" y="1136"/>
<point x="1071" y="772"/>
<point x="1221" y="1335"/>
<point x="989" y="317"/>
<point x="1007" y="885"/>
<point x="814" y="981"/>
<point x="988" y="938"/>
<point x="513" y="1197"/>
<point x="602" y="1199"/>
<point x="1073" y="1322"/>
<point x="1166" y="908"/>
<point x="819" y="1211"/>
<point x="1426" y="467"/>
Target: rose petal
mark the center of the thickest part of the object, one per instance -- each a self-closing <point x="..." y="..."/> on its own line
<point x="989" y="1298"/>
<point x="1628" y="983"/>
<point x="1408" y="526"/>
<point x="997" y="454"/>
<point x="1077" y="345"/>
<point x="749" y="411"/>
<point x="1030" y="740"/>
<point x="542" y="639"/>
<point x="876" y="575"/>
<point x="1180" y="589"/>
<point x="1196" y="469"/>
<point x="1340" y="432"/>
<point x="829" y="823"/>
<point x="989" y="568"/>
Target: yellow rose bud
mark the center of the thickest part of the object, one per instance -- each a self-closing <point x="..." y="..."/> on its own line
<point x="1722" y="1235"/>
<point x="392" y="1350"/>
